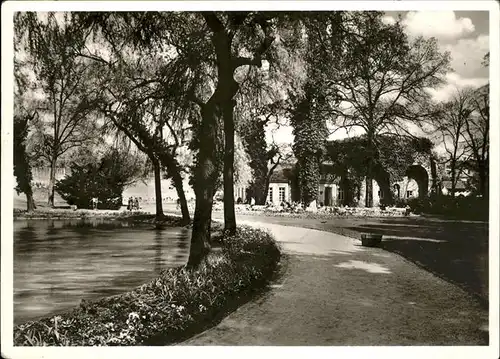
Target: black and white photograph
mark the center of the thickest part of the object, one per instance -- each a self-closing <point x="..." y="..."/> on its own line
<point x="292" y="177"/>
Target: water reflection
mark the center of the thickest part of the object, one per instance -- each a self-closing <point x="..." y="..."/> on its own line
<point x="59" y="262"/>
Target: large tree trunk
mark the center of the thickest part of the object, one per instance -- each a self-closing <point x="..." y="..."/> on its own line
<point x="173" y="169"/>
<point x="52" y="181"/>
<point x="369" y="173"/>
<point x="205" y="176"/>
<point x="453" y="180"/>
<point x="483" y="181"/>
<point x="260" y="187"/>
<point x="435" y="188"/>
<point x="228" y="87"/>
<point x="30" y="201"/>
<point x="158" y="198"/>
<point x="229" y="213"/>
<point x="177" y="181"/>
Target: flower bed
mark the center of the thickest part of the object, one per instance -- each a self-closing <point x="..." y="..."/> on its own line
<point x="323" y="212"/>
<point x="172" y="307"/>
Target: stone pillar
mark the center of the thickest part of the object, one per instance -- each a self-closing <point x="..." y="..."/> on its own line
<point x="362" y="191"/>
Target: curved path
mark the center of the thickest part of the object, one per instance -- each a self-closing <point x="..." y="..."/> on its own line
<point x="335" y="292"/>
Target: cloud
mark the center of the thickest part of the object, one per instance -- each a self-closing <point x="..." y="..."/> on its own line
<point x="389" y="20"/>
<point x="455" y="82"/>
<point x="467" y="55"/>
<point x="439" y="24"/>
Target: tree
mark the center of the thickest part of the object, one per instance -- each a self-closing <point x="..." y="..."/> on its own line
<point x="64" y="80"/>
<point x="207" y="50"/>
<point x="144" y="97"/>
<point x="102" y="178"/>
<point x="264" y="157"/>
<point x="309" y="128"/>
<point x="254" y="139"/>
<point x="22" y="167"/>
<point x="450" y="126"/>
<point x="378" y="76"/>
<point x="477" y="138"/>
<point x="142" y="125"/>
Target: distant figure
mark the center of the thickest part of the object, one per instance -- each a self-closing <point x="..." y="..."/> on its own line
<point x="94" y="202"/>
<point x="239" y="200"/>
<point x="136" y="203"/>
<point x="252" y="201"/>
<point x="130" y="204"/>
<point x="178" y="203"/>
<point x="407" y="210"/>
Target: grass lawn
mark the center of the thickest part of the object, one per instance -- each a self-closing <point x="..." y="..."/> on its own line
<point x="456" y="251"/>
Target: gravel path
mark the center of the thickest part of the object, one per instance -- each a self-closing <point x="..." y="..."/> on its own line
<point x="335" y="292"/>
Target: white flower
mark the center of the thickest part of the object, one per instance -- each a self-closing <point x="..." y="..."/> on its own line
<point x="133" y="316"/>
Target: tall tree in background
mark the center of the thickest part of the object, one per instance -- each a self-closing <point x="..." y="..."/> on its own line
<point x="264" y="157"/>
<point x="25" y="114"/>
<point x="451" y="126"/>
<point x="63" y="81"/>
<point x="310" y="131"/>
<point x="144" y="89"/>
<point x="379" y="77"/>
<point x="477" y="138"/>
<point x="22" y="167"/>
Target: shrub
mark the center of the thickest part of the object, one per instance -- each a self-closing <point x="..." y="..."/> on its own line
<point x="474" y="208"/>
<point x="173" y="306"/>
<point x="104" y="179"/>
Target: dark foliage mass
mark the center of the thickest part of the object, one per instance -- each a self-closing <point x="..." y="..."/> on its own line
<point x="461" y="207"/>
<point x="105" y="180"/>
<point x="393" y="155"/>
<point x="310" y="132"/>
<point x="22" y="168"/>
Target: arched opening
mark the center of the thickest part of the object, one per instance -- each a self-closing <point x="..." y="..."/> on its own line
<point x="420" y="175"/>
<point x="397" y="191"/>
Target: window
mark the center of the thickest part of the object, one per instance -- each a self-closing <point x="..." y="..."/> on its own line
<point x="341" y="194"/>
<point x="270" y="195"/>
<point x="396" y="190"/>
<point x="282" y="194"/>
<point x="380" y="194"/>
<point x="409" y="194"/>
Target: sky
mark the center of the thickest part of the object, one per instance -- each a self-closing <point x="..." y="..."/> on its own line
<point x="465" y="34"/>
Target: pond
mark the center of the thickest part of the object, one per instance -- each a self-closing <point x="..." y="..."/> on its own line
<point x="59" y="262"/>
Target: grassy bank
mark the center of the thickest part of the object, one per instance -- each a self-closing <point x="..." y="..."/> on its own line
<point x="170" y="308"/>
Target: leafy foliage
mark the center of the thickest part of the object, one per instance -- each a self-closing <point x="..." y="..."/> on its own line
<point x="47" y="52"/>
<point x="310" y="132"/>
<point x="374" y="77"/>
<point x="461" y="207"/>
<point x="254" y="139"/>
<point x="105" y="180"/>
<point x="394" y="155"/>
<point x="22" y="167"/>
<point x="171" y="307"/>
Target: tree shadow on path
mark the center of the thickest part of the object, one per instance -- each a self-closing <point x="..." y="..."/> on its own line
<point x="453" y="250"/>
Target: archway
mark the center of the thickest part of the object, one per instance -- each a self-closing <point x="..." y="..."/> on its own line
<point x="397" y="191"/>
<point x="420" y="175"/>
